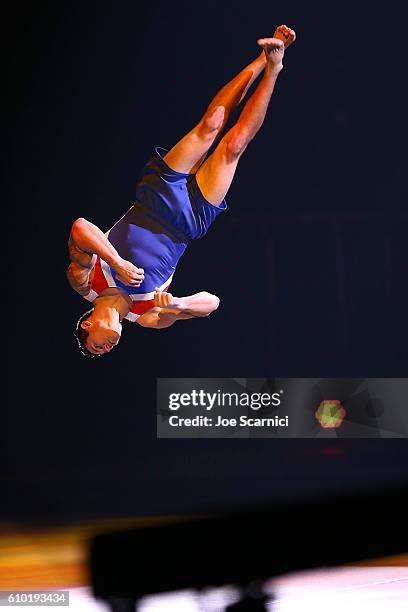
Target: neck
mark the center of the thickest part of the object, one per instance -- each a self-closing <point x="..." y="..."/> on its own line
<point x="112" y="306"/>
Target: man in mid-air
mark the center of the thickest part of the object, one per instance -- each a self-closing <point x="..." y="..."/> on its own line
<point x="126" y="272"/>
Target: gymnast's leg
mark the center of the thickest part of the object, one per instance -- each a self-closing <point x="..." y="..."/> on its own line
<point x="187" y="155"/>
<point x="215" y="175"/>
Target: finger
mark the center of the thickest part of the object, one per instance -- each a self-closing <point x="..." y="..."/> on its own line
<point x="130" y="282"/>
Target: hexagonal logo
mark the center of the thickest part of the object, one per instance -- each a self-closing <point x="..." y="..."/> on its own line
<point x="330" y="414"/>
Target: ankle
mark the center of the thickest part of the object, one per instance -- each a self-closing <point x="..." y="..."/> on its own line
<point x="273" y="69"/>
<point x="262" y="58"/>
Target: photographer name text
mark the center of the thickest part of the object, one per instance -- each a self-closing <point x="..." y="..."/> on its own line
<point x="242" y="421"/>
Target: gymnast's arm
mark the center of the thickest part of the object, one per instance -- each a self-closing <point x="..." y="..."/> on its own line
<point x="87" y="240"/>
<point x="169" y="309"/>
<point x="79" y="272"/>
<point x="157" y="318"/>
<point x="80" y="278"/>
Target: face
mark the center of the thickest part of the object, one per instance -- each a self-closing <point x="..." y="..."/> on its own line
<point x="102" y="338"/>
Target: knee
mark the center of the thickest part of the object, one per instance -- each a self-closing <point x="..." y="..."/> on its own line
<point x="236" y="144"/>
<point x="212" y="122"/>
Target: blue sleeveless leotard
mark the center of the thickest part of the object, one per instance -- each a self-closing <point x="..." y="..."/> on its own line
<point x="169" y="212"/>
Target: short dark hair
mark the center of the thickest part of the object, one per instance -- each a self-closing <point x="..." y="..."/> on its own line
<point x="82" y="334"/>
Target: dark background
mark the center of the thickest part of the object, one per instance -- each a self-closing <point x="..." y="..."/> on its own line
<point x="309" y="261"/>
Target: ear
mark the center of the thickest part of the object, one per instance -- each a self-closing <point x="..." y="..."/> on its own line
<point x="86" y="324"/>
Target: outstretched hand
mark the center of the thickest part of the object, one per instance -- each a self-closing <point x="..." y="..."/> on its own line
<point x="128" y="273"/>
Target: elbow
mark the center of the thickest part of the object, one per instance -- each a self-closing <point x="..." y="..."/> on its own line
<point x="213" y="303"/>
<point x="78" y="227"/>
<point x="78" y="223"/>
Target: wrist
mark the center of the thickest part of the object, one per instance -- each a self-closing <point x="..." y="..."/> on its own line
<point x="113" y="260"/>
<point x="177" y="303"/>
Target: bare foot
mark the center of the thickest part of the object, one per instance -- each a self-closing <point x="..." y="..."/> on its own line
<point x="285" y="34"/>
<point x="274" y="49"/>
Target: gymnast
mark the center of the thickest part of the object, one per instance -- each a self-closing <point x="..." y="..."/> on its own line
<point x="127" y="271"/>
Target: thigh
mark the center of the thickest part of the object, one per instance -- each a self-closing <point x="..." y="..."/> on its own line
<point x="184" y="156"/>
<point x="215" y="175"/>
<point x="187" y="155"/>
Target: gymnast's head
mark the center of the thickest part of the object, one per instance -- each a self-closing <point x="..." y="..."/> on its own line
<point x="96" y="336"/>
